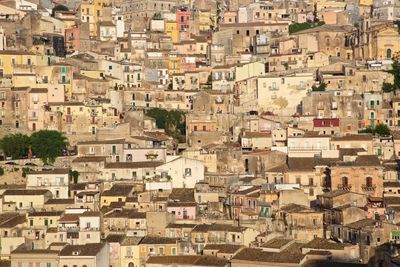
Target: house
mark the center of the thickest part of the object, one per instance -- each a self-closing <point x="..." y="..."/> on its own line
<point x="364" y="175"/>
<point x="120" y="221"/>
<point x="181" y="203"/>
<point x="56" y="181"/>
<point x="95" y="254"/>
<point x="223" y="251"/>
<point x="23" y="256"/>
<point x="117" y="193"/>
<point x="158" y="261"/>
<point x="184" y="172"/>
<point x="291" y="256"/>
<point x="26" y="199"/>
<point x="11" y="225"/>
<point x="157" y="246"/>
<point x="77" y="227"/>
<point x="129" y="251"/>
<point x="256" y="140"/>
<point x="302" y="222"/>
<point x="245" y="202"/>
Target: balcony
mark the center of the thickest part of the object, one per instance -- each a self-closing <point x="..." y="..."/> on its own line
<point x="199" y="240"/>
<point x="292" y="62"/>
<point x="174" y="98"/>
<point x="64" y="81"/>
<point x="346" y="187"/>
<point x="368" y="188"/>
<point x="31" y="118"/>
<point x="147" y="99"/>
<point x="217" y="239"/>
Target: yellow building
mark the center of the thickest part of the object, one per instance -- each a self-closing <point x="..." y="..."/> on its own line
<point x="43" y="219"/>
<point x="366" y="2"/>
<point x="174" y="63"/>
<point x="202" y="21"/>
<point x="156" y="245"/>
<point x="11" y="60"/>
<point x="129" y="251"/>
<point x="92" y="12"/>
<point x="171" y="29"/>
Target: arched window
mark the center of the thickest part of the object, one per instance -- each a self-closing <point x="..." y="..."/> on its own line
<point x="368" y="181"/>
<point x="327" y="42"/>
<point x="389" y="53"/>
<point x="345" y="181"/>
<point x="130" y="264"/>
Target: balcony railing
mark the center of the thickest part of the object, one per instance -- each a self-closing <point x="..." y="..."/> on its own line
<point x="346" y="187"/>
<point x="33" y="118"/>
<point x="368" y="187"/>
<point x="199" y="239"/>
<point x="66" y="81"/>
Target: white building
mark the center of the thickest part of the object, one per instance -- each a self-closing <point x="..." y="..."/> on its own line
<point x="56" y="181"/>
<point x="282" y="95"/>
<point x="184" y="172"/>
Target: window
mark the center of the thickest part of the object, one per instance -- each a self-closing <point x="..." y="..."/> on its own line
<point x="188" y="172"/>
<point x="368" y="181"/>
<point x="345" y="181"/>
<point x="389" y="53"/>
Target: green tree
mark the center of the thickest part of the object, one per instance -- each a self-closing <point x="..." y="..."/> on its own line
<point x="74" y="175"/>
<point x="395" y="71"/>
<point x="58" y="8"/>
<point x="319" y="88"/>
<point x="387" y="87"/>
<point x="25" y="171"/>
<point x="47" y="145"/>
<point x="209" y="79"/>
<point x="382" y="130"/>
<point x="1" y="171"/>
<point x="296" y="27"/>
<point x="173" y="122"/>
<point x="15" y="145"/>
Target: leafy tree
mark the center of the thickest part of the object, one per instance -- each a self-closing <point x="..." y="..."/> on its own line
<point x="296" y="27"/>
<point x="1" y="171"/>
<point x="74" y="175"/>
<point x="173" y="122"/>
<point x="25" y="171"/>
<point x="382" y="129"/>
<point x="319" y="88"/>
<point x="15" y="145"/>
<point x="395" y="71"/>
<point x="209" y="79"/>
<point x="58" y="8"/>
<point x="387" y="87"/>
<point x="47" y="145"/>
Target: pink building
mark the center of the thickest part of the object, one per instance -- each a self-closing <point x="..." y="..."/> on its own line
<point x="72" y="38"/>
<point x="183" y="19"/>
<point x="182" y="211"/>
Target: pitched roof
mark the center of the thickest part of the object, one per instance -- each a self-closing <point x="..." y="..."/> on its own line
<point x="158" y="240"/>
<point x="257" y="255"/>
<point x="131" y="214"/>
<point x="82" y="250"/>
<point x="354" y="137"/>
<point x="133" y="165"/>
<point x="118" y="190"/>
<point x="223" y="248"/>
<point x="89" y="159"/>
<point x="321" y="243"/>
<point x="52" y="171"/>
<point x="31" y="192"/>
<point x="361" y="224"/>
<point x="185" y="260"/>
